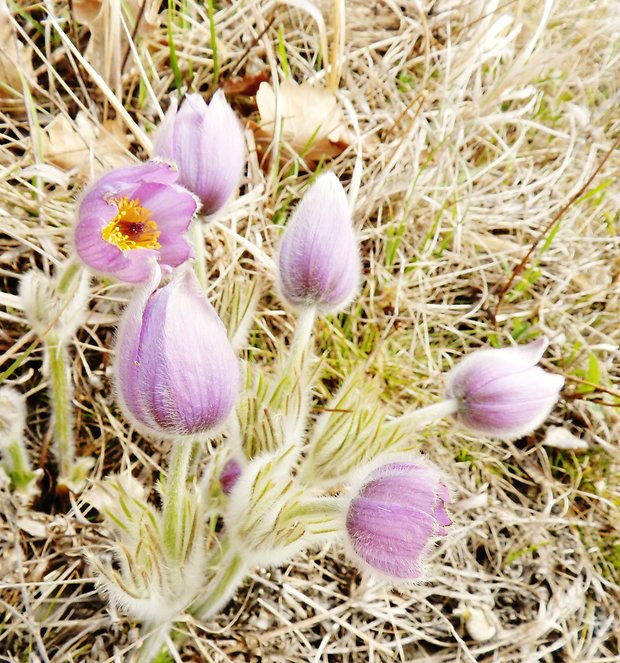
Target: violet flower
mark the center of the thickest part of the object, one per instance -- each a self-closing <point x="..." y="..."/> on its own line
<point x="502" y="392"/>
<point x="176" y="372"/>
<point x="206" y="143"/>
<point x="394" y="517"/>
<point x="319" y="254"/>
<point x="131" y="217"/>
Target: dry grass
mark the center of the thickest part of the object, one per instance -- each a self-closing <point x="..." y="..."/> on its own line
<point x="478" y="121"/>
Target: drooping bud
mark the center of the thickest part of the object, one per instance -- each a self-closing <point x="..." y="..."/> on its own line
<point x="501" y="392"/>
<point x="176" y="372"/>
<point x="133" y="216"/>
<point x="319" y="255"/>
<point x="394" y="516"/>
<point x="206" y="144"/>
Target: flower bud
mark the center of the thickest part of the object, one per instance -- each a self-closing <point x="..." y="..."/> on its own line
<point x="394" y="516"/>
<point x="206" y="144"/>
<point x="502" y="392"/>
<point x="176" y="372"/>
<point x="229" y="476"/>
<point x="319" y="255"/>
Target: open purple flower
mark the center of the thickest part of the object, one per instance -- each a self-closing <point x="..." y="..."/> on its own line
<point x="395" y="516"/>
<point x="131" y="217"/>
<point x="501" y="392"/>
<point x="176" y="373"/>
<point x="319" y="255"/>
<point x="206" y="143"/>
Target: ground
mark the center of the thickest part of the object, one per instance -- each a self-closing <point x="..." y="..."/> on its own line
<point x="478" y="142"/>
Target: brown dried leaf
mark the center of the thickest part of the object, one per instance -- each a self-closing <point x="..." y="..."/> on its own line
<point x="313" y="123"/>
<point x="108" y="40"/>
<point x="81" y="146"/>
<point x="15" y="61"/>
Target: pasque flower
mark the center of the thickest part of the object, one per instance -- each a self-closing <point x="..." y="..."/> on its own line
<point x="206" y="144"/>
<point x="501" y="392"/>
<point x="319" y="255"/>
<point x="176" y="372"/>
<point x="133" y="216"/>
<point x="394" y="517"/>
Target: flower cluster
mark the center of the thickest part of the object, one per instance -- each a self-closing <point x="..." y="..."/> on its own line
<point x="281" y="481"/>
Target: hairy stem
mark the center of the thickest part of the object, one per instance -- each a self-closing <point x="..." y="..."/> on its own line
<point x="200" y="251"/>
<point x="174" y="500"/>
<point x="426" y="415"/>
<point x="62" y="395"/>
<point x="228" y="577"/>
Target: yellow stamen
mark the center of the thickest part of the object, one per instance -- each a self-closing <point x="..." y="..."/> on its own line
<point x="132" y="227"/>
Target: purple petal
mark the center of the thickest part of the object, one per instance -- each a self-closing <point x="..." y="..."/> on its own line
<point x="163" y="144"/>
<point x="224" y="153"/>
<point x="319" y="257"/>
<point x="128" y="370"/>
<point x="483" y="366"/>
<point x="230" y="475"/>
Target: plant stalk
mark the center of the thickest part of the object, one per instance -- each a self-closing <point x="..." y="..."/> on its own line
<point x="175" y="498"/>
<point x="62" y="395"/>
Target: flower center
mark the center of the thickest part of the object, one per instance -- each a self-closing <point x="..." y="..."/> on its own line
<point x="132" y="227"/>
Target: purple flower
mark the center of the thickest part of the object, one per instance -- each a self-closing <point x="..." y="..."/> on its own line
<point x="176" y="373"/>
<point x="502" y="392"/>
<point x="230" y="475"/>
<point x="206" y="143"/>
<point x="394" y="517"/>
<point x="319" y="255"/>
<point x="131" y="217"/>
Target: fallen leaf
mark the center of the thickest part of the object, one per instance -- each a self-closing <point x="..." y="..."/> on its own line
<point x="561" y="438"/>
<point x="15" y="62"/>
<point x="312" y="121"/>
<point x="81" y="146"/>
<point x="248" y="85"/>
<point x="108" y="39"/>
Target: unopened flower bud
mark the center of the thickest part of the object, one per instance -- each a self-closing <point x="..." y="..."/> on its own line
<point x="319" y="255"/>
<point x="502" y="392"/>
<point x="230" y="475"/>
<point x="176" y="372"/>
<point x="394" y="516"/>
<point x="206" y="144"/>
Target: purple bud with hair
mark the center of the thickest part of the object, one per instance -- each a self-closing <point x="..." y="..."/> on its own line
<point x="176" y="373"/>
<point x="502" y="392"/>
<point x="394" y="518"/>
<point x="319" y="254"/>
<point x="207" y="145"/>
<point x="230" y="475"/>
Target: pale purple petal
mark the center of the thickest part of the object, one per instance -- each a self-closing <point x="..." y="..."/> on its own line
<point x="224" y="150"/>
<point x="319" y="256"/>
<point x="395" y="516"/>
<point x="128" y="370"/>
<point x="182" y="373"/>
<point x="502" y="392"/>
<point x="149" y="183"/>
<point x="163" y="144"/>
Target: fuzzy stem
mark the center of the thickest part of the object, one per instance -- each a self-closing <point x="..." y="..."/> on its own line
<point x="174" y="499"/>
<point x="200" y="251"/>
<point x="152" y="641"/>
<point x="303" y="335"/>
<point x="69" y="277"/>
<point x="62" y="395"/>
<point x="426" y="415"/>
<point x="227" y="579"/>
